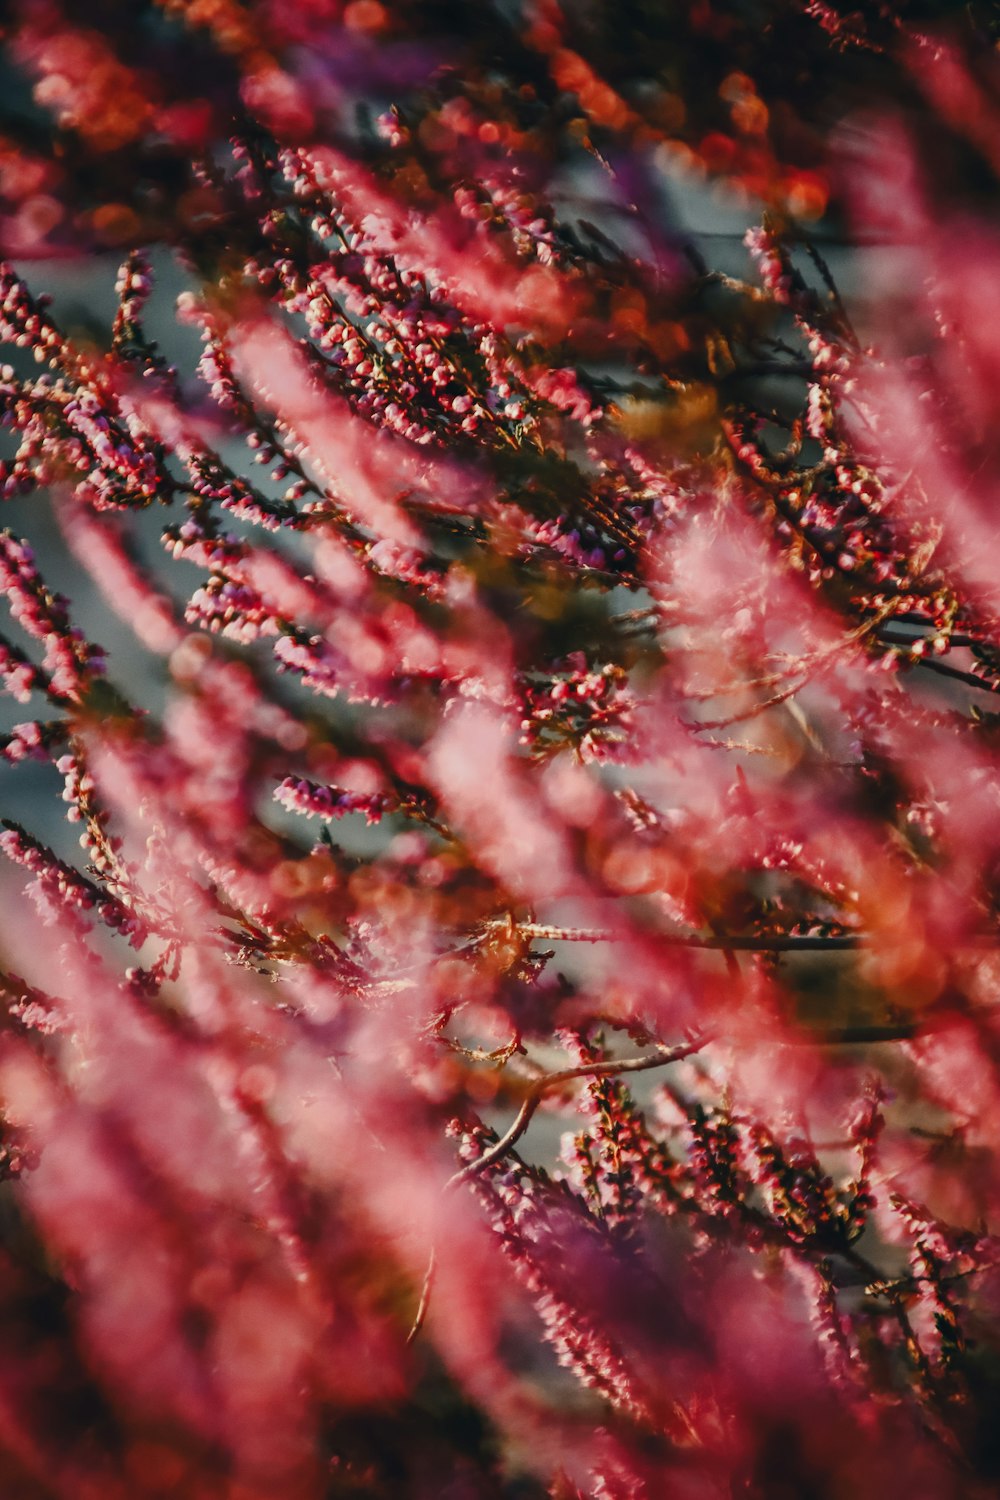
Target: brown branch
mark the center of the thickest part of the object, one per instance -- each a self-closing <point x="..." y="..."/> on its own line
<point x="748" y="713"/>
<point x="425" y="1297"/>
<point x="956" y="673"/>
<point x="612" y="1068"/>
<point x="747" y="942"/>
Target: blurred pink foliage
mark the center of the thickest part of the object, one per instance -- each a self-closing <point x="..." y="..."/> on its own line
<point x="578" y="728"/>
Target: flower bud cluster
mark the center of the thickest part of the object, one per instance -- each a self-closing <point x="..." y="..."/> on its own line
<point x="31" y="741"/>
<point x="331" y="802"/>
<point x="62" y="892"/>
<point x="19" y="676"/>
<point x="530" y="1221"/>
<point x="590" y="710"/>
<point x="68" y="660"/>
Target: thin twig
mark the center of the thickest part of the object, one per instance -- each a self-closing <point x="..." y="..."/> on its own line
<point x="425" y="1297"/>
<point x="538" y="1088"/>
<point x="661" y="1058"/>
<point x="807" y="667"/>
<point x="511" y="1137"/>
<point x="743" y="942"/>
<point x="969" y="678"/>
